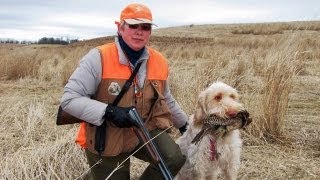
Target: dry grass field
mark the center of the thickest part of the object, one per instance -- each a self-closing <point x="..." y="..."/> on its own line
<point x="275" y="67"/>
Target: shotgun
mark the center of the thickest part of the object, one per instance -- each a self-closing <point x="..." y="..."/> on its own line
<point x="144" y="136"/>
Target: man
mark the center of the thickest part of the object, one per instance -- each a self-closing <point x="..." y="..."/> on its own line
<point x="98" y="80"/>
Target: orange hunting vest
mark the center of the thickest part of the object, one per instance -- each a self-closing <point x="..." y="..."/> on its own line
<point x="151" y="104"/>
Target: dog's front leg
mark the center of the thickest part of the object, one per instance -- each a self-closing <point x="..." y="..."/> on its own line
<point x="213" y="176"/>
<point x="231" y="172"/>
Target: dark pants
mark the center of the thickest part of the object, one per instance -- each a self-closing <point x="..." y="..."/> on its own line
<point x="169" y="150"/>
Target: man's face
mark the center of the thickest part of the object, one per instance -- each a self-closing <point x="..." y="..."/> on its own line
<point x="136" y="36"/>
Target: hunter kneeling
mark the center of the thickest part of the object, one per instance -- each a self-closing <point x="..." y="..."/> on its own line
<point x="121" y="94"/>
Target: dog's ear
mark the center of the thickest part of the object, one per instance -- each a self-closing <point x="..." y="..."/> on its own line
<point x="200" y="112"/>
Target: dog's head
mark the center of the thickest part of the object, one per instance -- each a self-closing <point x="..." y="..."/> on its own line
<point x="219" y="99"/>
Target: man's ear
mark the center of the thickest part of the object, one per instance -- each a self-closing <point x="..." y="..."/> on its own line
<point x="120" y="27"/>
<point x="200" y="112"/>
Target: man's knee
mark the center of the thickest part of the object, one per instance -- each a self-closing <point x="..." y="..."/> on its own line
<point x="177" y="159"/>
<point x="175" y="162"/>
<point x="170" y="151"/>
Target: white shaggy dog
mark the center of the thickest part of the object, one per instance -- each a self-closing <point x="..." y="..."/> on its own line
<point x="212" y="154"/>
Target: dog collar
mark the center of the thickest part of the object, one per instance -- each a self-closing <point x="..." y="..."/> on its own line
<point x="213" y="150"/>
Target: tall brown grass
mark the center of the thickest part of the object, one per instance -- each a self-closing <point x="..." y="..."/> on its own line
<point x="280" y="69"/>
<point x="239" y="61"/>
<point x="18" y="64"/>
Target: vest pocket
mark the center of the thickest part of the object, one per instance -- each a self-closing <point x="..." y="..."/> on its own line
<point x="161" y="116"/>
<point x="114" y="141"/>
<point x="130" y="140"/>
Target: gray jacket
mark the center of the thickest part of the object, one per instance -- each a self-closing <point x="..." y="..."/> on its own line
<point x="84" y="82"/>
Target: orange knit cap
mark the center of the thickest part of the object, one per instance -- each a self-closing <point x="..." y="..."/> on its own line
<point x="136" y="14"/>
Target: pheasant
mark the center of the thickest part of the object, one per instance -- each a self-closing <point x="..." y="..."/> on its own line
<point x="218" y="125"/>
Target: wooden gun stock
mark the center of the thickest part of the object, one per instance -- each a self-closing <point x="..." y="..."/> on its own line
<point x="155" y="159"/>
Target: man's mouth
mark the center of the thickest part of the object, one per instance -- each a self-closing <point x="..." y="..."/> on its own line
<point x="137" y="39"/>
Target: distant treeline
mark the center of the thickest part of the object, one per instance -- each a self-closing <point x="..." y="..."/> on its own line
<point x="44" y="40"/>
<point x="51" y="40"/>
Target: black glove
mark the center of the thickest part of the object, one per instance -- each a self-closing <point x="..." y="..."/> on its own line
<point x="183" y="128"/>
<point x="119" y="116"/>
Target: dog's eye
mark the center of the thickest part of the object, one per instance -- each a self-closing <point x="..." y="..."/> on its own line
<point x="218" y="97"/>
<point x="232" y="96"/>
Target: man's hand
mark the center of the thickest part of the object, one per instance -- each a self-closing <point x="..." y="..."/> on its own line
<point x="119" y="116"/>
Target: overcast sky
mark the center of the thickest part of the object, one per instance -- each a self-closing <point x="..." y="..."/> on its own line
<point x="86" y="19"/>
